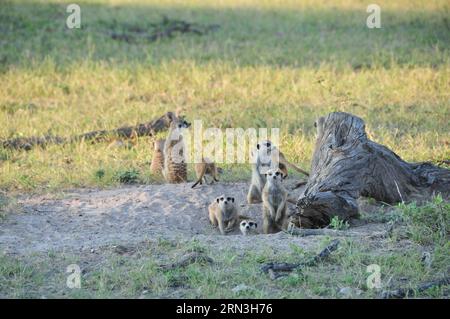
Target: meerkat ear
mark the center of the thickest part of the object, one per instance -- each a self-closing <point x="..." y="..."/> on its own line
<point x="256" y="225"/>
<point x="257" y="146"/>
<point x="217" y="199"/>
<point x="232" y="199"/>
<point x="178" y="111"/>
<point x="283" y="176"/>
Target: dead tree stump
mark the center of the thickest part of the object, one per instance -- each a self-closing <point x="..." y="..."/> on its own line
<point x="347" y="165"/>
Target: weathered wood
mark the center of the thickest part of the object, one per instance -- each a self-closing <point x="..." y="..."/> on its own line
<point x="347" y="165"/>
<point x="27" y="143"/>
<point x="144" y="129"/>
<point x="279" y="269"/>
<point x="166" y="29"/>
<point x="188" y="259"/>
<point x="304" y="232"/>
<point x="404" y="292"/>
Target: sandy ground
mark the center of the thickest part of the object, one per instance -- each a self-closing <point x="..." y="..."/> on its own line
<point x="83" y="219"/>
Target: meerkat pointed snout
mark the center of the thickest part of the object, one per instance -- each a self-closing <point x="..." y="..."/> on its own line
<point x="175" y="168"/>
<point x="267" y="156"/>
<point x="157" y="163"/>
<point x="248" y="227"/>
<point x="274" y="197"/>
<point x="223" y="213"/>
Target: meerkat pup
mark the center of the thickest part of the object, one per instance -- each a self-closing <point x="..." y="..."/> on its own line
<point x="223" y="213"/>
<point x="175" y="168"/>
<point x="206" y="168"/>
<point x="248" y="227"/>
<point x="267" y="156"/>
<point x="274" y="197"/>
<point x="158" y="157"/>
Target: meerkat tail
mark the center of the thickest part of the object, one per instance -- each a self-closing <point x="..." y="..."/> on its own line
<point x="200" y="177"/>
<point x="298" y="169"/>
<point x="299" y="184"/>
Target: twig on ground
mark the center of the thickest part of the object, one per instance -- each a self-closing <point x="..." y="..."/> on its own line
<point x="404" y="292"/>
<point x="276" y="270"/>
<point x="187" y="260"/>
<point x="304" y="232"/>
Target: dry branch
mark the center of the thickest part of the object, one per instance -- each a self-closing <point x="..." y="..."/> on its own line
<point x="276" y="269"/>
<point x="187" y="260"/>
<point x="304" y="232"/>
<point x="167" y="28"/>
<point x="404" y="292"/>
<point x="347" y="165"/>
<point x="144" y="129"/>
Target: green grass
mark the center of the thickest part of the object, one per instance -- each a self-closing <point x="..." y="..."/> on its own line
<point x="106" y="274"/>
<point x="338" y="224"/>
<point x="429" y="223"/>
<point x="271" y="64"/>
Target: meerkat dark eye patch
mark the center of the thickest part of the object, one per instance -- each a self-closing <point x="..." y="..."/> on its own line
<point x="277" y="173"/>
<point x="221" y="198"/>
<point x="257" y="146"/>
<point x="268" y="144"/>
<point x="229" y="199"/>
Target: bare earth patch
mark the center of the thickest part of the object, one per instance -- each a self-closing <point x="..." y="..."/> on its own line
<point x="87" y="219"/>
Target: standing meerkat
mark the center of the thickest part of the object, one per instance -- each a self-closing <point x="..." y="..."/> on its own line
<point x="274" y="197"/>
<point x="205" y="168"/>
<point x="175" y="168"/>
<point x="267" y="156"/>
<point x="158" y="157"/>
<point x="223" y="212"/>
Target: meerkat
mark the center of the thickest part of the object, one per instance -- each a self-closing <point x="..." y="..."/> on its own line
<point x="223" y="213"/>
<point x="267" y="157"/>
<point x="158" y="157"/>
<point x="175" y="168"/>
<point x="274" y="197"/>
<point x="205" y="168"/>
<point x="248" y="227"/>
